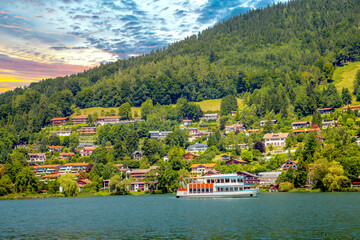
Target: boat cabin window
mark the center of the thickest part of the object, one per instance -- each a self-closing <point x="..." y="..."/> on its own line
<point x="231" y="189"/>
<point x="233" y="180"/>
<point x="217" y="180"/>
<point x="227" y="180"/>
<point x="240" y="180"/>
<point x="208" y="181"/>
<point x="222" y="180"/>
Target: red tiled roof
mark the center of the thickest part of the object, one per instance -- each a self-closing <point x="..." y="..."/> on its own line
<point x="300" y="122"/>
<point x="110" y="117"/>
<point x="51" y="176"/>
<point x="37" y="154"/>
<point x="76" y="164"/>
<point x="67" y="154"/>
<point x="60" y="118"/>
<point x="89" y="148"/>
<point x="307" y="130"/>
<point x="48" y="166"/>
<point x="55" y="147"/>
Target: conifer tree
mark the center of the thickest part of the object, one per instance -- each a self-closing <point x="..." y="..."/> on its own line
<point x="346" y="96"/>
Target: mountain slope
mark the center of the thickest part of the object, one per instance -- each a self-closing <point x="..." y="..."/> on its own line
<point x="278" y="55"/>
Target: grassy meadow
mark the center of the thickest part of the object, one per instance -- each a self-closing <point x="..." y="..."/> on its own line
<point x="212" y="105"/>
<point x="344" y="77"/>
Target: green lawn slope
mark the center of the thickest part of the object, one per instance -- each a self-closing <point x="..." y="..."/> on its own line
<point x="344" y="77"/>
<point x="212" y="105"/>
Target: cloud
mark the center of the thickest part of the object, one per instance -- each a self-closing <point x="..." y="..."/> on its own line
<point x="4" y="11"/>
<point x="33" y="69"/>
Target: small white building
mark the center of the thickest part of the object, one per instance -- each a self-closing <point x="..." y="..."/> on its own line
<point x="101" y="121"/>
<point x="187" y="122"/>
<point x="326" y="124"/>
<point x="275" y="139"/>
<point x="62" y="133"/>
<point x="158" y="134"/>
<point x="211" y="116"/>
<point x="37" y="158"/>
<point x="296" y="125"/>
<point x="234" y="128"/>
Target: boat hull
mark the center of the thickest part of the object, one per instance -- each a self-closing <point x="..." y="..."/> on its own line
<point x="242" y="194"/>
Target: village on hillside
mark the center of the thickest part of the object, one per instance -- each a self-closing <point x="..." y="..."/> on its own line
<point x="214" y="144"/>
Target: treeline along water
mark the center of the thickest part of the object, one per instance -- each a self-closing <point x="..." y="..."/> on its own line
<point x="269" y="216"/>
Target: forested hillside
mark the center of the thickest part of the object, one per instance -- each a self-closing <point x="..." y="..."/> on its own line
<point x="275" y="58"/>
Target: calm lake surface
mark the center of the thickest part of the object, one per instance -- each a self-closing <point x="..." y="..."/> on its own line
<point x="269" y="216"/>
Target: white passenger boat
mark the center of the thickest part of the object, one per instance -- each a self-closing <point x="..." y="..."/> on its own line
<point x="223" y="186"/>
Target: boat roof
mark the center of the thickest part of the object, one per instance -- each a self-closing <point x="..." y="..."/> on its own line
<point x="223" y="176"/>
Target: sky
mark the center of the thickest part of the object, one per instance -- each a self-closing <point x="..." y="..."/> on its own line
<point x="42" y="39"/>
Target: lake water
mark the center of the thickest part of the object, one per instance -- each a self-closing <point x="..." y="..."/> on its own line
<point x="269" y="216"/>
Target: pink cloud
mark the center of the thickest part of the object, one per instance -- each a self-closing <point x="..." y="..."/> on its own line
<point x="4" y="11"/>
<point x="37" y="70"/>
<point x="20" y="17"/>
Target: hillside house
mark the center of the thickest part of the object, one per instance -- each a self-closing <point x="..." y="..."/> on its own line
<point x="233" y="113"/>
<point x="193" y="131"/>
<point x="50" y="177"/>
<point x="88" y="131"/>
<point x="187" y="122"/>
<point x="59" y="121"/>
<point x="158" y="134"/>
<point x="296" y="132"/>
<point x="249" y="178"/>
<point x="47" y="169"/>
<point x="65" y="156"/>
<point x="326" y="124"/>
<point x="86" y="144"/>
<point x="235" y="161"/>
<point x="275" y="139"/>
<point x="190" y="156"/>
<point x="87" y="151"/>
<point x="138" y="155"/>
<point x="62" y="133"/>
<point x="36" y="157"/>
<point x="288" y="164"/>
<point x="234" y="128"/>
<point x="197" y="147"/>
<point x="101" y="121"/>
<point x="55" y="148"/>
<point x="250" y="131"/>
<point x="140" y="174"/>
<point x="211" y="116"/>
<point x="79" y="119"/>
<point x="325" y="111"/>
<point x="82" y="182"/>
<point x="75" y="168"/>
<point x="263" y="122"/>
<point x="352" y="108"/>
<point x="202" y="168"/>
<point x="296" y="125"/>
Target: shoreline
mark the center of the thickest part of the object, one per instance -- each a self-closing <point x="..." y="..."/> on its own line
<point x="105" y="194"/>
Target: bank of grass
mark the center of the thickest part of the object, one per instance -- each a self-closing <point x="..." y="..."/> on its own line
<point x="30" y="196"/>
<point x="212" y="105"/>
<point x="344" y="77"/>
